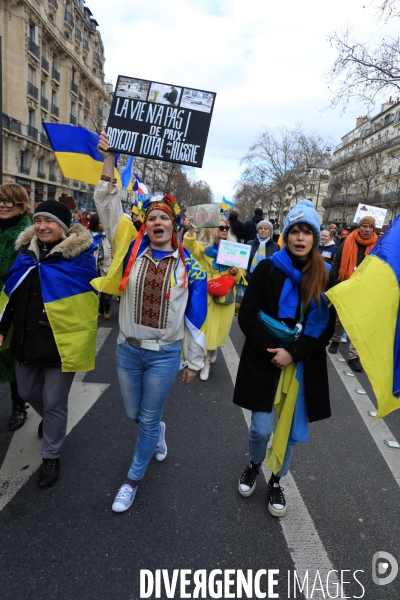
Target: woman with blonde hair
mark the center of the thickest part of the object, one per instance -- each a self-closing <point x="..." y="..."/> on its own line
<point x="14" y="210"/>
<point x="221" y="309"/>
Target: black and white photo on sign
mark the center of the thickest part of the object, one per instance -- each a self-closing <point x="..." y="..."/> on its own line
<point x="164" y="94"/>
<point x="197" y="100"/>
<point x="129" y="87"/>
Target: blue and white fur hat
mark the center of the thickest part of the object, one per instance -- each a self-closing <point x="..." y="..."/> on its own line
<point x="303" y="212"/>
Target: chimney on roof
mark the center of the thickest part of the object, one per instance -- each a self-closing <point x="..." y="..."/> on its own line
<point x="361" y="120"/>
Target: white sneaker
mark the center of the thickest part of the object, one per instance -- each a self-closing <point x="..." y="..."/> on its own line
<point x="125" y="497"/>
<point x="161" y="449"/>
<point x="213" y="356"/>
<point x="205" y="371"/>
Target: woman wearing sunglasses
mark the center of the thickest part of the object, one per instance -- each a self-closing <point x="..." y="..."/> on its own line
<point x="219" y="315"/>
<point x="14" y="209"/>
<point x="282" y="371"/>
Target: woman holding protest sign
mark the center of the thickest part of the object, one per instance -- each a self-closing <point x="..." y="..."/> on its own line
<point x="221" y="286"/>
<point x="282" y="371"/>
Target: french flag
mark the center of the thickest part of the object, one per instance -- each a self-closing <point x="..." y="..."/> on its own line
<point x="138" y="185"/>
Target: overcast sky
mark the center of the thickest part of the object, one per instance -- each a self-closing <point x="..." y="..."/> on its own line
<point x="265" y="59"/>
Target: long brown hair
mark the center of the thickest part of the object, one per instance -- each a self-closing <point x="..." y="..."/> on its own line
<point x="315" y="275"/>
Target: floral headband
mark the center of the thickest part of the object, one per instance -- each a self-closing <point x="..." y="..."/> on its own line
<point x="166" y="203"/>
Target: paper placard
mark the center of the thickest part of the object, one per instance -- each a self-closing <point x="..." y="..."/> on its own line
<point x="160" y="121"/>
<point x="233" y="254"/>
<point x="204" y="215"/>
<point x="364" y="210"/>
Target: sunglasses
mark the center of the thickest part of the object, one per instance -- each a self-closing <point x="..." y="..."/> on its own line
<point x="223" y="228"/>
<point x="7" y="202"/>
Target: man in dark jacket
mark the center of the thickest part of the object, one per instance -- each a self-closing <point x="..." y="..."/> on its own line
<point x="348" y="257"/>
<point x="250" y="226"/>
<point x="172" y="96"/>
<point x="236" y="225"/>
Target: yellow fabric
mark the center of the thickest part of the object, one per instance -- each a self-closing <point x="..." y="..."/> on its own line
<point x="82" y="167"/>
<point x="281" y="243"/>
<point x="76" y="344"/>
<point x="284" y="404"/>
<point x="367" y="305"/>
<point x="3" y="302"/>
<point x="125" y="234"/>
<point x="219" y="316"/>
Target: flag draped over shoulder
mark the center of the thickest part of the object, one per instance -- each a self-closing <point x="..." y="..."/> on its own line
<point x="75" y="149"/>
<point x="70" y="303"/>
<point x="368" y="307"/>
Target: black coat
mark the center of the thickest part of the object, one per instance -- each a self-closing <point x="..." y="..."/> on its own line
<point x="250" y="228"/>
<point x="257" y="377"/>
<point x="237" y="227"/>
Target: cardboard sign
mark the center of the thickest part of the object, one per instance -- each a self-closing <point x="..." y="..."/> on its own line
<point x="364" y="210"/>
<point x="232" y="254"/>
<point x="68" y="201"/>
<point x="160" y="121"/>
<point x="204" y="215"/>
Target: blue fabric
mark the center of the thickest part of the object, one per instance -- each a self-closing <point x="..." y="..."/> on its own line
<point x="317" y="317"/>
<point x="299" y="429"/>
<point x="159" y="254"/>
<point x="213" y="253"/>
<point x="303" y="212"/>
<point x="126" y="174"/>
<point x="145" y="378"/>
<point x="97" y="237"/>
<point x="281" y="332"/>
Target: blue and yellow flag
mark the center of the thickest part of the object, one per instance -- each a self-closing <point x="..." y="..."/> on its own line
<point x="368" y="307"/>
<point x="70" y="303"/>
<point x="226" y="205"/>
<point x="75" y="149"/>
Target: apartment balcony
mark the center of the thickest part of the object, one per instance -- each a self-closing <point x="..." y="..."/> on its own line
<point x="83" y="186"/>
<point x="52" y="177"/>
<point x="45" y="140"/>
<point x="87" y="104"/>
<point x="41" y="175"/>
<point x="6" y="121"/>
<point x="64" y="180"/>
<point x="24" y="170"/>
<point x="55" y="110"/>
<point x="45" y="65"/>
<point x="33" y="91"/>
<point x="85" y="45"/>
<point x="75" y="183"/>
<point x="78" y="34"/>
<point x="33" y="48"/>
<point x="44" y="103"/>
<point x="96" y="57"/>
<point x="74" y="88"/>
<point x="72" y="119"/>
<point x="53" y="3"/>
<point x="68" y="18"/>
<point x="81" y="98"/>
<point x="32" y="132"/>
<point x="55" y="74"/>
<point x="16" y="126"/>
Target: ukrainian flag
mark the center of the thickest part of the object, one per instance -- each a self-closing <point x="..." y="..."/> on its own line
<point x="368" y="307"/>
<point x="226" y="205"/>
<point x="70" y="303"/>
<point x="75" y="149"/>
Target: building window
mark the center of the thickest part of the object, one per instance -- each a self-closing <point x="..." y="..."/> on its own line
<point x="23" y="163"/>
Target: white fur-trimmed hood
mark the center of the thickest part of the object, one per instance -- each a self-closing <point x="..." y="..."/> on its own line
<point x="79" y="239"/>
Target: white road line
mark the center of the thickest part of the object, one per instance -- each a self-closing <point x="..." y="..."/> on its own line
<point x="304" y="544"/>
<point x="377" y="427"/>
<point x="23" y="454"/>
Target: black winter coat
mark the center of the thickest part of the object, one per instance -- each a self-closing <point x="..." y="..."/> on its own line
<point x="237" y="227"/>
<point x="250" y="228"/>
<point x="257" y="377"/>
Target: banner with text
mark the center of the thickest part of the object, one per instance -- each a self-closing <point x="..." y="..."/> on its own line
<point x="204" y="215"/>
<point x="232" y="254"/>
<point x="364" y="210"/>
<point x="160" y="121"/>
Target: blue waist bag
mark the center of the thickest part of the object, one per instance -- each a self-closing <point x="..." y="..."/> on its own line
<point x="279" y="331"/>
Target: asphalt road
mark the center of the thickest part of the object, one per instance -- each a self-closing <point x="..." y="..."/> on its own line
<point x="66" y="543"/>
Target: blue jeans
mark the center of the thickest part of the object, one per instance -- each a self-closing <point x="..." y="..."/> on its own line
<point x="145" y="378"/>
<point x="262" y="425"/>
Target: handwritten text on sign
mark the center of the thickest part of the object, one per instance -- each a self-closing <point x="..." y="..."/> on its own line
<point x="204" y="215"/>
<point x="232" y="254"/>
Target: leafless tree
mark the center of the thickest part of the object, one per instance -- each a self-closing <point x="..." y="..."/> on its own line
<point x="274" y="161"/>
<point x="362" y="72"/>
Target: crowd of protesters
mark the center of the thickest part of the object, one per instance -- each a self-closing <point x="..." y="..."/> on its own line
<point x="177" y="305"/>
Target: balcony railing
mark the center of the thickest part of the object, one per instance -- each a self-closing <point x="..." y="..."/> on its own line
<point x="78" y="34"/>
<point x="87" y="104"/>
<point x="72" y="119"/>
<point x="44" y="103"/>
<point x="55" y="74"/>
<point x="6" y="121"/>
<point x="45" y="140"/>
<point x="54" y="3"/>
<point x="15" y="126"/>
<point x="32" y="132"/>
<point x="81" y="98"/>
<point x="68" y="18"/>
<point x="74" y="88"/>
<point x="96" y="56"/>
<point x="75" y="183"/>
<point x="45" y="65"/>
<point x="34" y="48"/>
<point x="64" y="180"/>
<point x="85" y="44"/>
<point x="41" y="175"/>
<point x="83" y="185"/>
<point x="55" y="110"/>
<point x="24" y="170"/>
<point x="52" y="177"/>
<point x="33" y="91"/>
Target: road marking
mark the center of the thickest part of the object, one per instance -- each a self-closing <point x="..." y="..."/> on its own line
<point x="23" y="455"/>
<point x="304" y="544"/>
<point x="377" y="427"/>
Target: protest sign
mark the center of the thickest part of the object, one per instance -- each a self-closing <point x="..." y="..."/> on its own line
<point x="364" y="210"/>
<point x="160" y="121"/>
<point x="232" y="254"/>
<point x="204" y="215"/>
<point x="68" y="201"/>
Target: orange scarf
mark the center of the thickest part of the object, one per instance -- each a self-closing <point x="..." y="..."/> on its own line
<point x="350" y="250"/>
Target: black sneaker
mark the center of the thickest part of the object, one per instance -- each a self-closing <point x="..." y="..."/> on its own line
<point x="247" y="482"/>
<point x="17" y="419"/>
<point x="49" y="472"/>
<point x="276" y="500"/>
<point x="333" y="347"/>
<point x="355" y="364"/>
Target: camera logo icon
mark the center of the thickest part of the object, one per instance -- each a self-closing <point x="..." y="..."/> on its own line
<point x="384" y="568"/>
